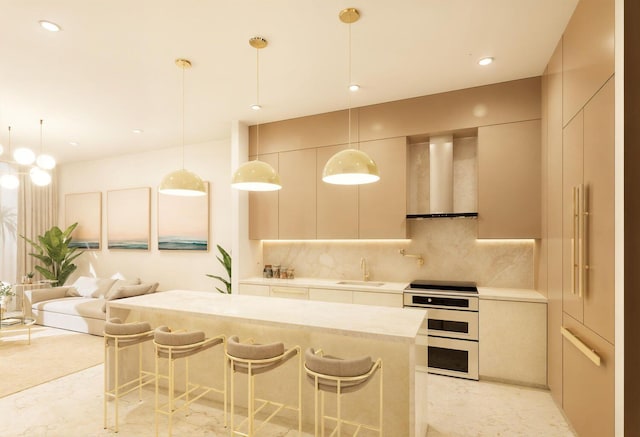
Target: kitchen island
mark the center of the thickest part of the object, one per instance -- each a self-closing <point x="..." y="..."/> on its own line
<point x="345" y="330"/>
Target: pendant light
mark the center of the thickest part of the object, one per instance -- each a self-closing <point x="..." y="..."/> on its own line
<point x="9" y="181"/>
<point x="44" y="161"/>
<point x="350" y="166"/>
<point x="256" y="175"/>
<point x="182" y="182"/>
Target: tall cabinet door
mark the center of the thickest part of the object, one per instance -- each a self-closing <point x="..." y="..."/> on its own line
<point x="263" y="208"/>
<point x="572" y="176"/>
<point x="297" y="212"/>
<point x="337" y="204"/>
<point x="599" y="168"/>
<point x="383" y="204"/>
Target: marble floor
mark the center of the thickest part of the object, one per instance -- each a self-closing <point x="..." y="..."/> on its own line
<point x="71" y="406"/>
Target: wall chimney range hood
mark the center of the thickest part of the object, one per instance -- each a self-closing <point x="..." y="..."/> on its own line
<point x="441" y="181"/>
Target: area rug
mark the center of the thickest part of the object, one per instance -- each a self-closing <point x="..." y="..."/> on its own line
<point x="53" y="353"/>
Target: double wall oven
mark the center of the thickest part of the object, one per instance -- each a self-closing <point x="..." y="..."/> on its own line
<point x="447" y="343"/>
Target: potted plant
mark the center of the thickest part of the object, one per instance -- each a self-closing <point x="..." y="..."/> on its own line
<point x="226" y="263"/>
<point x="28" y="278"/>
<point x="52" y="250"/>
<point x="6" y="293"/>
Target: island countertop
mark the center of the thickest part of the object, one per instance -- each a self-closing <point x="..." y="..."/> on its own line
<point x="391" y="324"/>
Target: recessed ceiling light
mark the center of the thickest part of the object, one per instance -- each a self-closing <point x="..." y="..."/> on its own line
<point x="50" y="26"/>
<point x="354" y="87"/>
<point x="137" y="131"/>
<point x="256" y="107"/>
<point x="73" y="143"/>
<point x="485" y="61"/>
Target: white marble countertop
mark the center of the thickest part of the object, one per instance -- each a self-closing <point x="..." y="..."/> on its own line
<point x="513" y="294"/>
<point x="334" y="284"/>
<point x="493" y="293"/>
<point x="382" y="323"/>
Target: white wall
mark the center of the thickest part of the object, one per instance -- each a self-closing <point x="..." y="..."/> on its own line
<point x="185" y="270"/>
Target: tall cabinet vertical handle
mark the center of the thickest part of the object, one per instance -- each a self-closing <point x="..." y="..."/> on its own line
<point x="584" y="270"/>
<point x="575" y="224"/>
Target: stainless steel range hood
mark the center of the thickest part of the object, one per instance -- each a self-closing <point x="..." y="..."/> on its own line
<point x="441" y="181"/>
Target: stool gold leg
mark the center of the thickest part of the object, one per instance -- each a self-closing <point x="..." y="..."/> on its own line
<point x="339" y="415"/>
<point x="315" y="404"/>
<point x="106" y="367"/>
<point x="117" y="362"/>
<point x="299" y="393"/>
<point x="250" y="401"/>
<point x="322" y="412"/>
<point x="171" y="392"/>
<point x="232" y="396"/>
<point x="381" y="404"/>
<point x="225" y="392"/>
<point x="157" y="388"/>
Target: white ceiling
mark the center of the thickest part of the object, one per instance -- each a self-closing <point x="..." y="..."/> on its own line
<point x="111" y="68"/>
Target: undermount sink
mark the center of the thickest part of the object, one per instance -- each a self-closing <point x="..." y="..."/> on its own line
<point x="361" y="283"/>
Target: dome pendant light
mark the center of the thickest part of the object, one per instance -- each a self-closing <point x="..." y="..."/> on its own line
<point x="350" y="166"/>
<point x="182" y="182"/>
<point x="256" y="175"/>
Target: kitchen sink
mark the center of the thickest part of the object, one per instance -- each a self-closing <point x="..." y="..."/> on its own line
<point x="361" y="283"/>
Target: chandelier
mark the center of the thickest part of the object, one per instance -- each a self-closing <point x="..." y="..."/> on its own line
<point x="23" y="159"/>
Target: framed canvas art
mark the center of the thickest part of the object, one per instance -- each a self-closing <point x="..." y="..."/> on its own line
<point x="86" y="210"/>
<point x="183" y="222"/>
<point x="129" y="219"/>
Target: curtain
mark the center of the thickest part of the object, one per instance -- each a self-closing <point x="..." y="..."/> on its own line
<point x="37" y="213"/>
<point x="8" y="229"/>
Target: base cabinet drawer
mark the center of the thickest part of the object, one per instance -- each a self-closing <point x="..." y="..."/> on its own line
<point x="289" y="292"/>
<point x="379" y="299"/>
<point x="253" y="290"/>
<point x="588" y="388"/>
<point x="328" y="295"/>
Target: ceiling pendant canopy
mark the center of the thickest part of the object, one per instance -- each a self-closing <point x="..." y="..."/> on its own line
<point x="350" y="166"/>
<point x="182" y="182"/>
<point x="256" y="175"/>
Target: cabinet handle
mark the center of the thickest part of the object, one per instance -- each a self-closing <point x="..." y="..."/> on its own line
<point x="288" y="291"/>
<point x="584" y="270"/>
<point x="574" y="240"/>
<point x="589" y="353"/>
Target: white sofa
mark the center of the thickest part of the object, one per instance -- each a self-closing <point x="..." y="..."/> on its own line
<point x="81" y="306"/>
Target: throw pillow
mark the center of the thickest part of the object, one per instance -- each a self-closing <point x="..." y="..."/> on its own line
<point x="129" y="291"/>
<point x="84" y="286"/>
<point x="121" y="283"/>
<point x="104" y="285"/>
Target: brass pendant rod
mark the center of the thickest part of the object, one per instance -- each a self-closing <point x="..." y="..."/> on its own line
<point x="258" y="103"/>
<point x="41" y="149"/>
<point x="183" y="117"/>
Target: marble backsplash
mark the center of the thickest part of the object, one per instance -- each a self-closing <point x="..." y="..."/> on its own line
<point x="449" y="247"/>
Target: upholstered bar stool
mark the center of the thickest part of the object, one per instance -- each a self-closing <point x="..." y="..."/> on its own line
<point x="255" y="359"/>
<point x="175" y="345"/>
<point x="118" y="336"/>
<point x="340" y="376"/>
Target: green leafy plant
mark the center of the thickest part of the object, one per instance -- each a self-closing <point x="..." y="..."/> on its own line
<point x="52" y="250"/>
<point x="226" y="263"/>
<point x="6" y="290"/>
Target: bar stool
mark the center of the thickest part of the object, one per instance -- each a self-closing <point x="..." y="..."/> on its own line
<point x="174" y="345"/>
<point x="340" y="376"/>
<point x="254" y="359"/>
<point x="118" y="335"/>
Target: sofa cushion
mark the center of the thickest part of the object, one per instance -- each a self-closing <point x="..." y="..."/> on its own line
<point x="121" y="282"/>
<point x="86" y="286"/>
<point x="131" y="291"/>
<point x="75" y="306"/>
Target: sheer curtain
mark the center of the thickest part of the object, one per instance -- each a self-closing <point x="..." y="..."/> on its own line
<point x="8" y="230"/>
<point x="37" y="213"/>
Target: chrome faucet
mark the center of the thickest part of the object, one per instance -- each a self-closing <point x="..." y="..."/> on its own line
<point x="363" y="267"/>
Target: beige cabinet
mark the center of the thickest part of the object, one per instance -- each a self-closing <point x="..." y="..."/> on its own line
<point x="599" y="233"/>
<point x="588" y="215"/>
<point x="263" y="208"/>
<point x="297" y="198"/>
<point x="509" y="162"/>
<point x="588" y="398"/>
<point x="337" y="214"/>
<point x="331" y="295"/>
<point x="253" y="290"/>
<point x="289" y="292"/>
<point x="383" y="204"/>
<point x="378" y="299"/>
<point x="588" y="53"/>
<point x="513" y="341"/>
